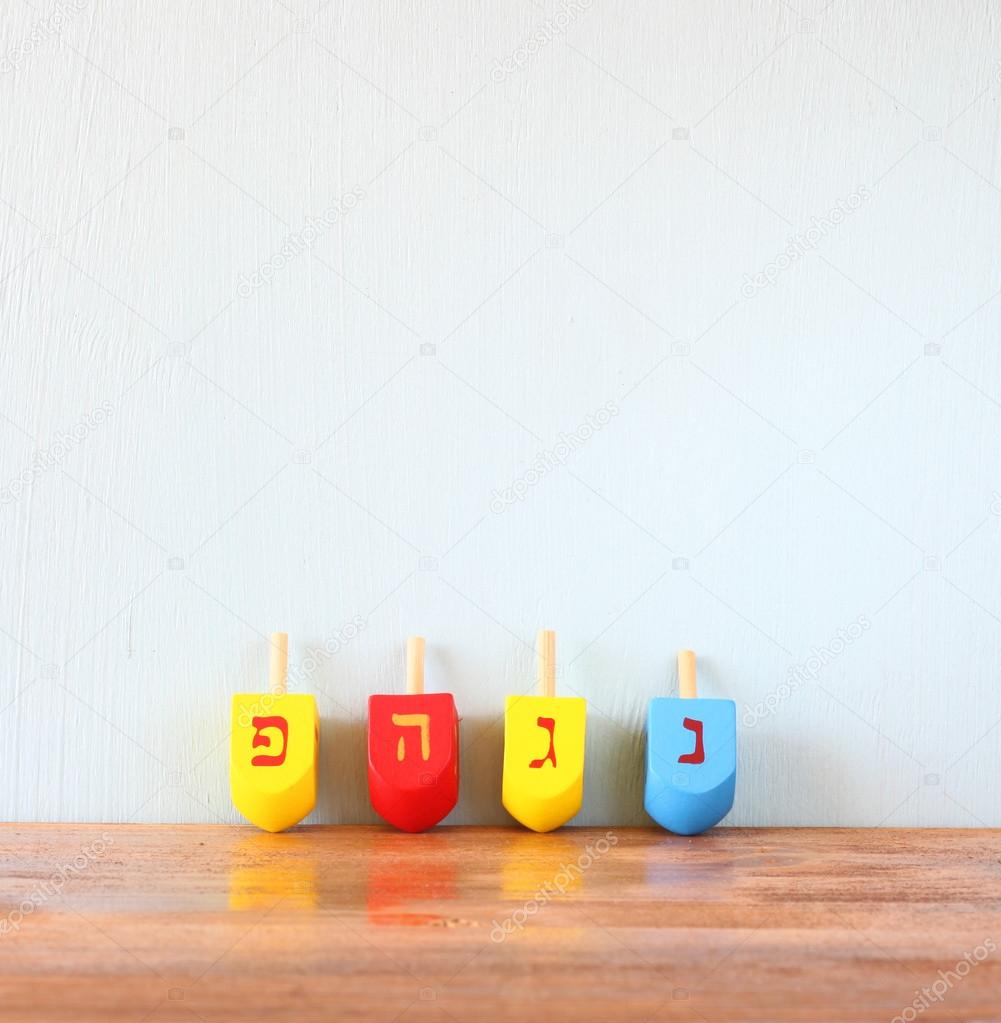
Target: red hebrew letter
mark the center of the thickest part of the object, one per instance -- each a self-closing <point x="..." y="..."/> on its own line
<point x="269" y="760"/>
<point x="698" y="755"/>
<point x="549" y="724"/>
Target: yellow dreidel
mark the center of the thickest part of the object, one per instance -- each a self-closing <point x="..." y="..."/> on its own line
<point x="273" y="750"/>
<point x="544" y="749"/>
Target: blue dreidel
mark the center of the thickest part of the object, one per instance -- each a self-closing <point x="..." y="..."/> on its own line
<point x="691" y="757"/>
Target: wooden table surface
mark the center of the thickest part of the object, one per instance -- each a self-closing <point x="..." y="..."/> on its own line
<point x="323" y="923"/>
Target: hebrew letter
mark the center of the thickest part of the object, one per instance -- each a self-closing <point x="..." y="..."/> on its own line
<point x="421" y="721"/>
<point x="698" y="755"/>
<point x="549" y="724"/>
<point x="269" y="760"/>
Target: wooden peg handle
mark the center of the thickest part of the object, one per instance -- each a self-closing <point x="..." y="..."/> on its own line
<point x="547" y="662"/>
<point x="686" y="674"/>
<point x="415" y="665"/>
<point x="278" y="664"/>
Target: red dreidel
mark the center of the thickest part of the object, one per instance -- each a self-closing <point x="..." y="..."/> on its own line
<point x="413" y="751"/>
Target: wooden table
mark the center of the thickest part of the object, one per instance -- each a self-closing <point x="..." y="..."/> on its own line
<point x="324" y="923"/>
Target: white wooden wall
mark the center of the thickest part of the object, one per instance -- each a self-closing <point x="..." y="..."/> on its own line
<point x="659" y="324"/>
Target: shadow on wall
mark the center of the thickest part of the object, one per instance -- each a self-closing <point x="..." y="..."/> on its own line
<point x="770" y="760"/>
<point x="809" y="780"/>
<point x="613" y="774"/>
<point x="342" y="796"/>
<point x="481" y="764"/>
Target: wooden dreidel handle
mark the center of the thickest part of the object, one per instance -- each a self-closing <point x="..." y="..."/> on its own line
<point x="415" y="665"/>
<point x="413" y="751"/>
<point x="547" y="663"/>
<point x="543" y="783"/>
<point x="274" y="748"/>
<point x="691" y="759"/>
<point x="686" y="675"/>
<point x="278" y="664"/>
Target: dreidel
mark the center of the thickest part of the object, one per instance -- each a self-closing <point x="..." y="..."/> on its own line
<point x="543" y="782"/>
<point x="691" y="757"/>
<point x="413" y="751"/>
<point x="274" y="747"/>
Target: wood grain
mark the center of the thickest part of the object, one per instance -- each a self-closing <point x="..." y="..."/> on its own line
<point x="221" y="923"/>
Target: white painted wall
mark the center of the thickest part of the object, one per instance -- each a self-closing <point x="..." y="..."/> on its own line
<point x="555" y="210"/>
